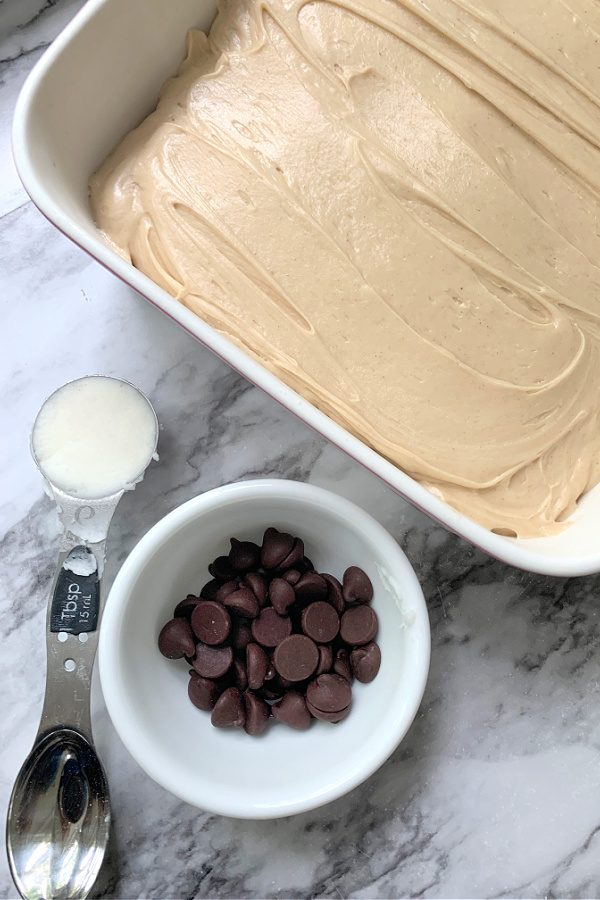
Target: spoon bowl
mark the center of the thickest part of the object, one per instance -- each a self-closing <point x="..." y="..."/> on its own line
<point x="60" y="812"/>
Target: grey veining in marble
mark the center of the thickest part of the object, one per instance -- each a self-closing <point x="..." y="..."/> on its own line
<point x="496" y="790"/>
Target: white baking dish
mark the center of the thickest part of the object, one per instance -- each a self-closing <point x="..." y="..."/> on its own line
<point x="96" y="82"/>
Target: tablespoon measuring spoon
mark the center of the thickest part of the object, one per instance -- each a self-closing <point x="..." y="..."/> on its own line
<point x="96" y="435"/>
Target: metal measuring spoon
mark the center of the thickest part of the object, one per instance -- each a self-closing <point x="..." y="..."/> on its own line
<point x="59" y="813"/>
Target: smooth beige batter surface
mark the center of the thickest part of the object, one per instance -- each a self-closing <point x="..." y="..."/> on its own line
<point x="395" y="207"/>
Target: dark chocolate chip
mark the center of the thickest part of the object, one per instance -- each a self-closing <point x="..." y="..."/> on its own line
<point x="271" y="692"/>
<point x="244" y="555"/>
<point x="320" y="622"/>
<point x="295" y="555"/>
<point x="203" y="692"/>
<point x="212" y="662"/>
<point x="229" y="710"/>
<point x="329" y="693"/>
<point x="365" y="662"/>
<point x="243" y="602"/>
<point x="240" y="635"/>
<point x="341" y="665"/>
<point x="334" y="593"/>
<point x="185" y="608"/>
<point x="240" y="677"/>
<point x="221" y="569"/>
<point x="226" y="589"/>
<point x="257" y="713"/>
<point x="209" y="591"/>
<point x="257" y="585"/>
<point x="279" y="682"/>
<point x="291" y="576"/>
<point x="211" y="622"/>
<point x="271" y="673"/>
<point x="310" y="587"/>
<point x="325" y="659"/>
<point x="305" y="565"/>
<point x="269" y="628"/>
<point x="281" y="595"/>
<point x="357" y="586"/>
<point x="328" y="716"/>
<point x="176" y="639"/>
<point x="276" y="546"/>
<point x="358" y="625"/>
<point x="296" y="657"/>
<point x="292" y="710"/>
<point x="257" y="666"/>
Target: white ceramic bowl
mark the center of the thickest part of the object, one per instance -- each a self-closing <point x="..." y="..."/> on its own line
<point x="99" y="78"/>
<point x="282" y="771"/>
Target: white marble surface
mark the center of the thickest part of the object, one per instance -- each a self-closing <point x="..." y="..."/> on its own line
<point x="496" y="790"/>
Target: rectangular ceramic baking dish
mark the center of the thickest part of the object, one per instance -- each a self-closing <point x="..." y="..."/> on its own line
<point x="97" y="81"/>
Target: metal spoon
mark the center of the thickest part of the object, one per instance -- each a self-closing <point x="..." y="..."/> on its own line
<point x="59" y="813"/>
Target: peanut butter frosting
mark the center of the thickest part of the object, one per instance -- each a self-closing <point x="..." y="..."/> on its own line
<point x="394" y="207"/>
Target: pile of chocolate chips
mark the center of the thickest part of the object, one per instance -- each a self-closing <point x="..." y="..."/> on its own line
<point x="269" y="636"/>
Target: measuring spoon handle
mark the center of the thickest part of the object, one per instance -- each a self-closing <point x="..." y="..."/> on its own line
<point x="74" y="611"/>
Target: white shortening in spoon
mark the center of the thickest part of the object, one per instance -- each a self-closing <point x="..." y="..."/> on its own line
<point x="94" y="436"/>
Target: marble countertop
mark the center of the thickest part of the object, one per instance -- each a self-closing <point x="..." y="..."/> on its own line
<point x="495" y="792"/>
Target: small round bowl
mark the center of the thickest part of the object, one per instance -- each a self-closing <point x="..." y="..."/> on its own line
<point x="282" y="771"/>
